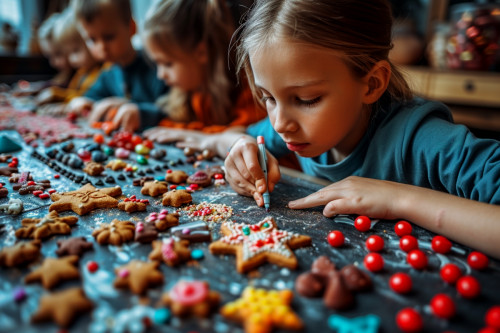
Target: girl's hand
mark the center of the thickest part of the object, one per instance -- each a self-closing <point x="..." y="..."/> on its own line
<point x="244" y="173"/>
<point x="127" y="118"/>
<point x="101" y="109"/>
<point x="356" y="195"/>
<point x="79" y="105"/>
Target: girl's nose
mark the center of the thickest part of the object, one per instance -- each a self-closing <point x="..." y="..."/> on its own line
<point x="282" y="121"/>
<point x="161" y="73"/>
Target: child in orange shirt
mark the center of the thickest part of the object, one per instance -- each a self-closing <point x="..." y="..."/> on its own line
<point x="189" y="42"/>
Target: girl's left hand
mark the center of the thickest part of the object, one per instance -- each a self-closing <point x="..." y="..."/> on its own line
<point x="357" y="195"/>
<point x="127" y="117"/>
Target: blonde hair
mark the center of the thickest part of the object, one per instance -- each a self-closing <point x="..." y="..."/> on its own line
<point x="359" y="29"/>
<point x="66" y="31"/>
<point x="45" y="32"/>
<point x="186" y="24"/>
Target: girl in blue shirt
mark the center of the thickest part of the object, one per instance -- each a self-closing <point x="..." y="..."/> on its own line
<point x="321" y="70"/>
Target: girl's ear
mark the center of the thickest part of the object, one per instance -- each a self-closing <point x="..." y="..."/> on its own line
<point x="377" y="81"/>
<point x="201" y="53"/>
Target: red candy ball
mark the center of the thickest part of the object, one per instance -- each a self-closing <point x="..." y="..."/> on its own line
<point x="417" y="259"/>
<point x="409" y="320"/>
<point x="492" y="317"/>
<point x="403" y="228"/>
<point x="477" y="260"/>
<point x="468" y="286"/>
<point x="374" y="262"/>
<point x="408" y="243"/>
<point x="374" y="243"/>
<point x="336" y="238"/>
<point x="487" y="330"/>
<point x="443" y="306"/>
<point x="362" y="223"/>
<point x="400" y="283"/>
<point x="450" y="273"/>
<point x="92" y="266"/>
<point x="441" y="244"/>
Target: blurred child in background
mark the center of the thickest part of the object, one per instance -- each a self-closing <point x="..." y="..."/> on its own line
<point x="189" y="41"/>
<point x="126" y="92"/>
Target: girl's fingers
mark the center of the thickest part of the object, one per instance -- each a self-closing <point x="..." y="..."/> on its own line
<point x="313" y="200"/>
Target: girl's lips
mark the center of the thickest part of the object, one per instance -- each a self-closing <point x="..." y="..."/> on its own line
<point x="297" y="146"/>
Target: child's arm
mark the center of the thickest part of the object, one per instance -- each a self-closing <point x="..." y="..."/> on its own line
<point x="469" y="222"/>
<point x="244" y="173"/>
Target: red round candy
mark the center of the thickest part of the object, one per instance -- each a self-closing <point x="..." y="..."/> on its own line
<point x="336" y="238"/>
<point x="92" y="266"/>
<point x="409" y="320"/>
<point x="417" y="259"/>
<point x="400" y="283"/>
<point x="443" y="306"/>
<point x="362" y="223"/>
<point x="487" y="330"/>
<point x="374" y="243"/>
<point x="98" y="138"/>
<point x="136" y="139"/>
<point x="468" y="286"/>
<point x="492" y="317"/>
<point x="403" y="228"/>
<point x="148" y="143"/>
<point x="408" y="243"/>
<point x="441" y="244"/>
<point x="374" y="262"/>
<point x="477" y="260"/>
<point x="450" y="273"/>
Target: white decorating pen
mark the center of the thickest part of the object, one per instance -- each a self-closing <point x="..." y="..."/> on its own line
<point x="263" y="165"/>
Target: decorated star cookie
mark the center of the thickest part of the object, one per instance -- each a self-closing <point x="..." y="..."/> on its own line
<point x="138" y="276"/>
<point x="260" y="310"/>
<point x="115" y="233"/>
<point x="145" y="232"/>
<point x="73" y="246"/>
<point x="176" y="176"/>
<point x="255" y="244"/>
<point x="188" y="298"/>
<point x="176" y="198"/>
<point x="62" y="307"/>
<point x="154" y="188"/>
<point x="51" y="224"/>
<point x="170" y="251"/>
<point x="163" y="220"/>
<point x="55" y="270"/>
<point x="85" y="199"/>
<point x="20" y="254"/>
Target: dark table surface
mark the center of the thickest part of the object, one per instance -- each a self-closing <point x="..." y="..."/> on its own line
<point x="118" y="310"/>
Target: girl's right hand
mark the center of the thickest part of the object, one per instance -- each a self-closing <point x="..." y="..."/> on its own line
<point x="244" y="173"/>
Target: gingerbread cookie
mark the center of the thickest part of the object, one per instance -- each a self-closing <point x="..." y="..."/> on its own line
<point x="191" y="298"/>
<point x="193" y="232"/>
<point x="260" y="310"/>
<point x="21" y="253"/>
<point x="115" y="233"/>
<point x="116" y="165"/>
<point x="170" y="251"/>
<point x="62" y="307"/>
<point x="154" y="188"/>
<point x="145" y="232"/>
<point x="51" y="224"/>
<point x="255" y="244"/>
<point x="85" y="199"/>
<point x="138" y="276"/>
<point x="176" y="176"/>
<point x="133" y="204"/>
<point x="163" y="220"/>
<point x="93" y="168"/>
<point x="140" y="181"/>
<point x="73" y="246"/>
<point x="200" y="178"/>
<point x="54" y="270"/>
<point x="176" y="198"/>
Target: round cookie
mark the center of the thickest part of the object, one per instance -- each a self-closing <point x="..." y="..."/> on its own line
<point x="200" y="178"/>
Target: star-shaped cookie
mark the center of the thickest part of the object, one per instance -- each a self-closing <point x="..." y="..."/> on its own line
<point x="172" y="252"/>
<point x="115" y="233"/>
<point x="138" y="276"/>
<point x="176" y="176"/>
<point x="73" y="246"/>
<point x="260" y="310"/>
<point x="154" y="188"/>
<point x="51" y="224"/>
<point x="255" y="244"/>
<point x="62" y="307"/>
<point x="55" y="270"/>
<point x="20" y="254"/>
<point x="176" y="198"/>
<point x="85" y="199"/>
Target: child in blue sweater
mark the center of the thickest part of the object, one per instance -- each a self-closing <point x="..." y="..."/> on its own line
<point x="332" y="96"/>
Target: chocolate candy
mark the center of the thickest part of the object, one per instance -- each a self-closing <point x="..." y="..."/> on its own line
<point x="193" y="232"/>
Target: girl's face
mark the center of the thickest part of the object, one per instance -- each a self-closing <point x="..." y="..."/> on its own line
<point x="183" y="70"/>
<point x="313" y="100"/>
<point x="79" y="55"/>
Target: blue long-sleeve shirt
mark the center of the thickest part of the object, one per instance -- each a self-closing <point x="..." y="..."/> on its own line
<point x="136" y="82"/>
<point x="414" y="143"/>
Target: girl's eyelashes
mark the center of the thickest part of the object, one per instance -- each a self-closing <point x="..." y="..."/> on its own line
<point x="308" y="102"/>
<point x="265" y="99"/>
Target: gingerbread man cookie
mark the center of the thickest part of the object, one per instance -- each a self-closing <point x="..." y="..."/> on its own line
<point x="138" y="276"/>
<point x="73" y="246"/>
<point x="171" y="251"/>
<point x="163" y="220"/>
<point x="176" y="198"/>
<point x="51" y="224"/>
<point x="176" y="176"/>
<point x="115" y="233"/>
<point x="191" y="298"/>
<point x="255" y="244"/>
<point x="55" y="270"/>
<point x="20" y="254"/>
<point x="85" y="199"/>
<point x="260" y="310"/>
<point x="133" y="204"/>
<point x="154" y="188"/>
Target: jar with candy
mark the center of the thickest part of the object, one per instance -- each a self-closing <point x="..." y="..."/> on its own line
<point x="475" y="40"/>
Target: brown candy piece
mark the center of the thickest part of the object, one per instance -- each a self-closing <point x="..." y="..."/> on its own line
<point x="193" y="232"/>
<point x="73" y="246"/>
<point x="142" y="180"/>
<point x="322" y="266"/>
<point x="337" y="296"/>
<point x="8" y="171"/>
<point x="145" y="232"/>
<point x="356" y="279"/>
<point x="3" y="192"/>
<point x="309" y="285"/>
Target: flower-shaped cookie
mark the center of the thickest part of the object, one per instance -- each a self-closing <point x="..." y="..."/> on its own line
<point x="115" y="233"/>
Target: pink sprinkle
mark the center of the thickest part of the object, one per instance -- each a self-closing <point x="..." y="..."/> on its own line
<point x="123" y="273"/>
<point x="186" y="231"/>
